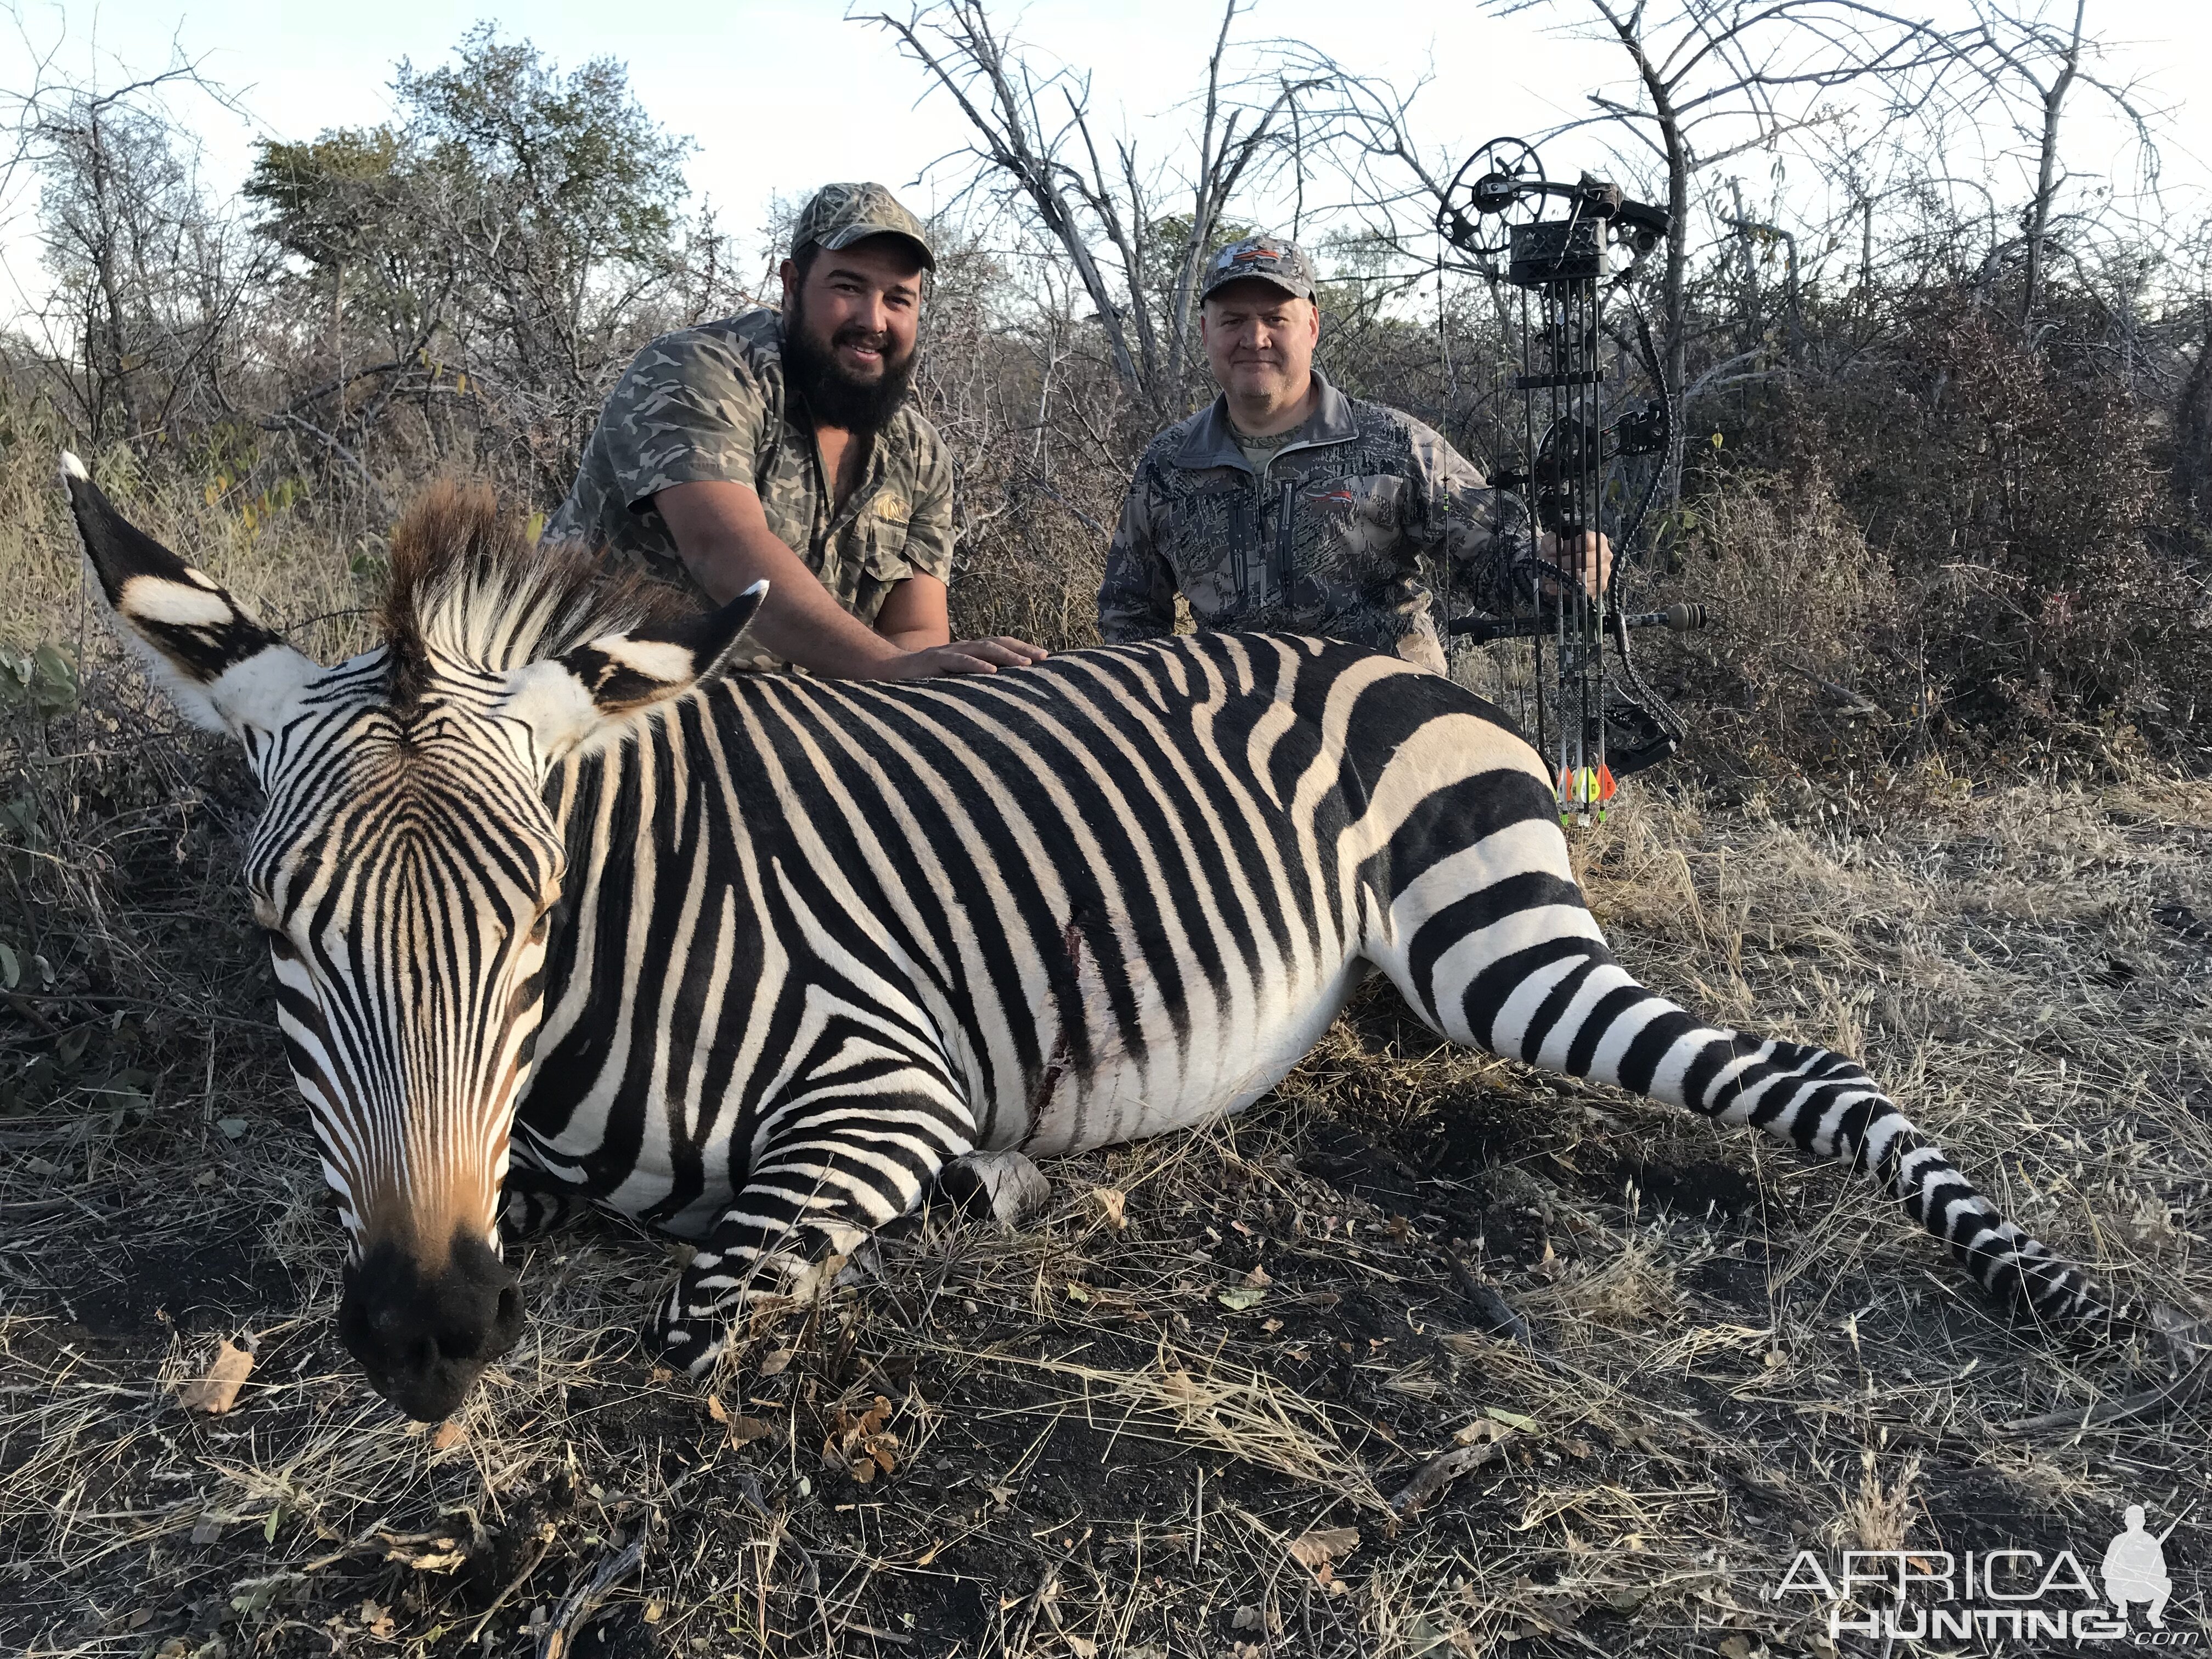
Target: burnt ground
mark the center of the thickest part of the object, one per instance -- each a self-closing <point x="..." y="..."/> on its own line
<point x="1673" y="1356"/>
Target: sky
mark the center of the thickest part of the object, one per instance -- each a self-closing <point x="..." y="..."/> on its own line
<point x="782" y="95"/>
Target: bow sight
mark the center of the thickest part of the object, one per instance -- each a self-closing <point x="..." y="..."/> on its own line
<point x="1586" y="468"/>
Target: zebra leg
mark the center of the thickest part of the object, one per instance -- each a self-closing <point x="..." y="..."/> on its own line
<point x="1507" y="957"/>
<point x="825" y="1178"/>
<point x="1008" y="1186"/>
<point x="532" y="1204"/>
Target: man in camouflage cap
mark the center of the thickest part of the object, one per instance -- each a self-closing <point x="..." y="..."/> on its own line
<point x="1286" y="505"/>
<point x="783" y="446"/>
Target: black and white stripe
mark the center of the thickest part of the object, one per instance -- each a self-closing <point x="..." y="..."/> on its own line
<point x="755" y="958"/>
<point x="822" y="938"/>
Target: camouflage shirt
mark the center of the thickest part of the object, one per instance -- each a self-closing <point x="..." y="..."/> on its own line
<point x="1329" y="542"/>
<point x="710" y="404"/>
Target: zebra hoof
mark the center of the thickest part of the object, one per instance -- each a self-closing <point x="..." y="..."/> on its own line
<point x="1004" y="1186"/>
<point x="689" y="1346"/>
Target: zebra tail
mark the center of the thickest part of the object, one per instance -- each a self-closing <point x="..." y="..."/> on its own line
<point x="1819" y="1102"/>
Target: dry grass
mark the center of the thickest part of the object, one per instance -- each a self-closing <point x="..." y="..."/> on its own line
<point x="1105" y="1442"/>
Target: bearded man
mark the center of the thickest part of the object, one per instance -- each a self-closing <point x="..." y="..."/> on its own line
<point x="784" y="446"/>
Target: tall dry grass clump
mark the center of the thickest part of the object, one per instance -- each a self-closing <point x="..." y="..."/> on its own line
<point x="1801" y="651"/>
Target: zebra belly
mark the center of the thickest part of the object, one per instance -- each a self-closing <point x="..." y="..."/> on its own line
<point x="1175" y="1079"/>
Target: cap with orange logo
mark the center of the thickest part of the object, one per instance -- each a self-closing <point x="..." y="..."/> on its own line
<point x="1269" y="259"/>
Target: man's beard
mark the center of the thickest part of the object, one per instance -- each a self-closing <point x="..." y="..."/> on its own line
<point x="833" y="395"/>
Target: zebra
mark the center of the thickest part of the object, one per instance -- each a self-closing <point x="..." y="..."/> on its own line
<point x="561" y="912"/>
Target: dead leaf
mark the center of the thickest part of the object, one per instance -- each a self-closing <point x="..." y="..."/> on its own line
<point x="433" y="1561"/>
<point x="450" y="1435"/>
<point x="1316" y="1550"/>
<point x="1178" y="1385"/>
<point x="859" y="1443"/>
<point x="744" y="1430"/>
<point x="1081" y="1646"/>
<point x="1110" y="1205"/>
<point x="1246" y="1619"/>
<point x="716" y="1409"/>
<point x="779" y="1362"/>
<point x="376" y="1621"/>
<point x="1320" y="1298"/>
<point x="654" y="1612"/>
<point x="217" y="1390"/>
<point x="1257" y="1278"/>
<point x="1741" y="1646"/>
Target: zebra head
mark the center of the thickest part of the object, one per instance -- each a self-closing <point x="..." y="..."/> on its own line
<point x="405" y="867"/>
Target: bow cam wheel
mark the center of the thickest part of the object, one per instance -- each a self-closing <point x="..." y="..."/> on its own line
<point x="1497" y="189"/>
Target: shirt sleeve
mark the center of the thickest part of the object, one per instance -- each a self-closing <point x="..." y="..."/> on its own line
<point x="1480" y="531"/>
<point x="690" y="409"/>
<point x="929" y="532"/>
<point x="1137" y="595"/>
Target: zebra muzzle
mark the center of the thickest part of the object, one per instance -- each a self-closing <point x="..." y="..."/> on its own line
<point x="424" y="1335"/>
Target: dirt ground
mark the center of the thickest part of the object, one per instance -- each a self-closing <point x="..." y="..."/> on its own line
<point x="1170" y="1416"/>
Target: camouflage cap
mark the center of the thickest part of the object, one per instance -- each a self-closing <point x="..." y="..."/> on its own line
<point x="842" y="215"/>
<point x="1269" y="258"/>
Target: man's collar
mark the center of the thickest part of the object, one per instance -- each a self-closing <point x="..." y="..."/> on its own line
<point x="1212" y="442"/>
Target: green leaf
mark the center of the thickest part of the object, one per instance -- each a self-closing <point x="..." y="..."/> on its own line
<point x="269" y="1532"/>
<point x="1510" y="1419"/>
<point x="1242" y="1299"/>
<point x="53" y="684"/>
<point x="235" y="1127"/>
<point x="21" y="815"/>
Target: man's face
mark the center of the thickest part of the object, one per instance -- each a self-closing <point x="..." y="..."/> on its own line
<point x="1259" y="340"/>
<point x="860" y="306"/>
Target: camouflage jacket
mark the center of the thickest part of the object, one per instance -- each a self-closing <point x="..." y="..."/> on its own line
<point x="710" y="404"/>
<point x="1330" y="542"/>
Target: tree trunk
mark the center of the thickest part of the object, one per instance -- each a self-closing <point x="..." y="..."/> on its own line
<point x="2046" y="178"/>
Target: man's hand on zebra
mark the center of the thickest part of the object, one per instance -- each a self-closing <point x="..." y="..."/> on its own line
<point x="962" y="657"/>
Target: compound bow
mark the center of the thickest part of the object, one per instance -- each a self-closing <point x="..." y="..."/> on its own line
<point x="1584" y="467"/>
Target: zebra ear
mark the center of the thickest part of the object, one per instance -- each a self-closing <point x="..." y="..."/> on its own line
<point x="579" y="694"/>
<point x="220" y="667"/>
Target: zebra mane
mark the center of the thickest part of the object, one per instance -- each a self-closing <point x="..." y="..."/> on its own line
<point x="467" y="582"/>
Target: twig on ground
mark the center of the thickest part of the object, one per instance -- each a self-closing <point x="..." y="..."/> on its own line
<point x="580" y="1602"/>
<point x="1440" y="1471"/>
